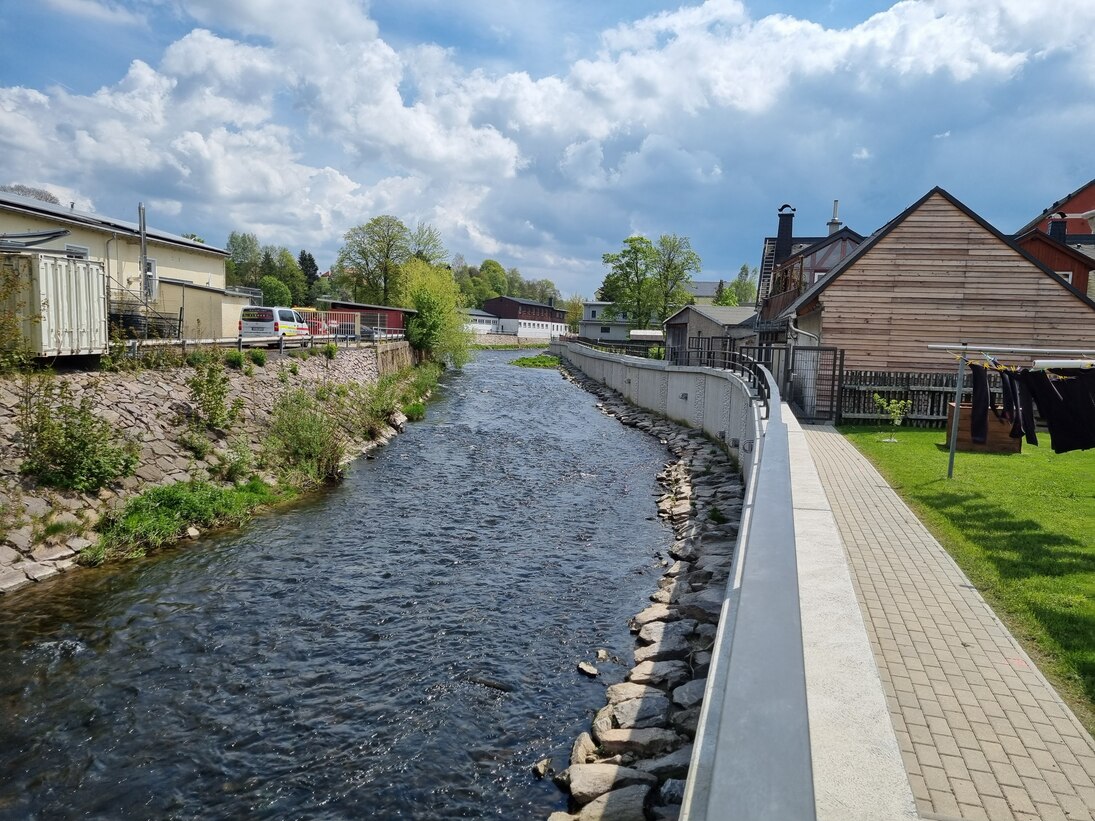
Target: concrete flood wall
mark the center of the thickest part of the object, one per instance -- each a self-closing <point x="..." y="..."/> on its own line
<point x="794" y="723"/>
<point x="718" y="402"/>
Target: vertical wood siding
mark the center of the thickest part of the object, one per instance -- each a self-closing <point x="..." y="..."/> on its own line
<point x="939" y="276"/>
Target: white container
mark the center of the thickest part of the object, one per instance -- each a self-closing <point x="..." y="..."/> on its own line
<point x="62" y="303"/>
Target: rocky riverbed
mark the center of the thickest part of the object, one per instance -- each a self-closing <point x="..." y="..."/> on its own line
<point x="632" y="763"/>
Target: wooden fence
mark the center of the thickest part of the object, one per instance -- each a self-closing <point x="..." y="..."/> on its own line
<point x="930" y="393"/>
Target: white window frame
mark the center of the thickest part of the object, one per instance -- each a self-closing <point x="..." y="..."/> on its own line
<point x="1065" y="275"/>
<point x="150" y="280"/>
<point x="77" y="251"/>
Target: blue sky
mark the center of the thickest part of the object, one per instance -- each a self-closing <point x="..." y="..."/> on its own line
<point x="542" y="135"/>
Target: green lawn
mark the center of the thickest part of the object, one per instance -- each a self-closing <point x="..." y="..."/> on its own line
<point x="1022" y="527"/>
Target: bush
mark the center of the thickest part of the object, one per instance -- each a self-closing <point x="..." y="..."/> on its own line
<point x="196" y="442"/>
<point x="415" y="411"/>
<point x="65" y="445"/>
<point x="330" y="350"/>
<point x="233" y="359"/>
<point x="209" y="393"/>
<point x="201" y="356"/>
<point x="304" y="441"/>
<point x="258" y="356"/>
<point x="237" y="462"/>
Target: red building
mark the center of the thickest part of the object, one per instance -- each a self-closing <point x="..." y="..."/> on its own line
<point x="524" y="317"/>
<point x="385" y="318"/>
<point x="1080" y="201"/>
<point x="1070" y="264"/>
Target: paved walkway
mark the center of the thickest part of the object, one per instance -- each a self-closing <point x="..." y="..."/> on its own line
<point x="983" y="734"/>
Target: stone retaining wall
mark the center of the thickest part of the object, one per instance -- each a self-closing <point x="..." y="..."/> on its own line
<point x="633" y="763"/>
<point x="151" y="407"/>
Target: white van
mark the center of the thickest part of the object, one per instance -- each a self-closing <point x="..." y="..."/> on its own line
<point x="276" y="321"/>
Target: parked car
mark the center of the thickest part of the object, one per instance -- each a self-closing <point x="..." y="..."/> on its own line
<point x="276" y="321"/>
<point x="317" y="325"/>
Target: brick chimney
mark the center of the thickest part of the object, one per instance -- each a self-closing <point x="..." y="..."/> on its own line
<point x="1057" y="226"/>
<point x="786" y="231"/>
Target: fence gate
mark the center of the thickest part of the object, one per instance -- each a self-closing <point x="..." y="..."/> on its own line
<point x="811" y="384"/>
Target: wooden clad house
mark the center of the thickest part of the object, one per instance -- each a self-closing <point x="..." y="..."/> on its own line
<point x="938" y="272"/>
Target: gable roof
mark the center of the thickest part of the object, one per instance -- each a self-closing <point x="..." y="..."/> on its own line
<point x="1055" y="207"/>
<point x="531" y="302"/>
<point x="815" y="290"/>
<point x="725" y="316"/>
<point x="70" y="216"/>
<point x="843" y="233"/>
<point x="1065" y="248"/>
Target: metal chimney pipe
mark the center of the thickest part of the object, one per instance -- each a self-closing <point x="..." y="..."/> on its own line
<point x="834" y="224"/>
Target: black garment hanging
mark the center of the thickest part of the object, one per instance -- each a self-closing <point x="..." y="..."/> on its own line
<point x="1067" y="405"/>
<point x="979" y="417"/>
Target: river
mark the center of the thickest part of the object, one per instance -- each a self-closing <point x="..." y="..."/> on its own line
<point x="401" y="646"/>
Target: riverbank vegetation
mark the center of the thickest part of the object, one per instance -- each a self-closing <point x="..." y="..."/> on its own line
<point x="542" y="361"/>
<point x="309" y="437"/>
<point x="1020" y="526"/>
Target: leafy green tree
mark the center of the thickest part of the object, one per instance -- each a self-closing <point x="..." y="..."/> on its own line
<point x="274" y="291"/>
<point x="193" y="236"/>
<point x="288" y="271"/>
<point x="375" y="253"/>
<point x="426" y="244"/>
<point x="725" y="296"/>
<point x="244" y="257"/>
<point x="437" y="329"/>
<point x="267" y="266"/>
<point x="745" y="285"/>
<point x="629" y="284"/>
<point x="674" y="264"/>
<point x="573" y="307"/>
<point x="307" y="264"/>
<point x="495" y="276"/>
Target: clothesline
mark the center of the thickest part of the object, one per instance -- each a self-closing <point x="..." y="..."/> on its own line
<point x="962" y="351"/>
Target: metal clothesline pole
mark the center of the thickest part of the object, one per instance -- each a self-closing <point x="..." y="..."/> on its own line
<point x="986" y="348"/>
<point x="957" y="411"/>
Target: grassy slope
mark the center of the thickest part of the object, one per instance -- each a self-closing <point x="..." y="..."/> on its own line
<point x="1022" y="527"/>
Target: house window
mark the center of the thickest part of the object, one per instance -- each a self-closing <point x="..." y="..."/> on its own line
<point x="77" y="251"/>
<point x="1065" y="275"/>
<point x="593" y="314"/>
<point x="605" y="329"/>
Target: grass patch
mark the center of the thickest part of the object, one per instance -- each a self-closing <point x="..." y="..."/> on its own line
<point x="545" y="360"/>
<point x="161" y="516"/>
<point x="1022" y="527"/>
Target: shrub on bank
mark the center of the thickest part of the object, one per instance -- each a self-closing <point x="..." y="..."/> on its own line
<point x="65" y="443"/>
<point x="304" y="443"/>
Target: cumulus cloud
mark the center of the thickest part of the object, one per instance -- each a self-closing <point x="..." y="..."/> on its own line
<point x="270" y="117"/>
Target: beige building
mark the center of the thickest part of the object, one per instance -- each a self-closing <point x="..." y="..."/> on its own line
<point x="184" y="291"/>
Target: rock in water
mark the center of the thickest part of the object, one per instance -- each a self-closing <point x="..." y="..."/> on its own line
<point x="588" y="669"/>
<point x="542" y="767"/>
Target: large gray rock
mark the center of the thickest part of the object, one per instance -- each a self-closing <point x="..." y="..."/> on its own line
<point x="704" y="606"/>
<point x="643" y="742"/>
<point x="673" y="765"/>
<point x="625" y="804"/>
<point x="651" y="711"/>
<point x="660" y="673"/>
<point x="8" y="555"/>
<point x="690" y="694"/>
<point x="36" y="571"/>
<point x="49" y="554"/>
<point x="627" y="690"/>
<point x="588" y="781"/>
<point x="656" y="612"/>
<point x="20" y="538"/>
<point x="657" y="631"/>
<point x="584" y="749"/>
<point x="672" y="649"/>
<point x="12" y="579"/>
<point x="602" y="722"/>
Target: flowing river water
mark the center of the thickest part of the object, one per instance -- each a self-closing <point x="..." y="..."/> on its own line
<point x="402" y="646"/>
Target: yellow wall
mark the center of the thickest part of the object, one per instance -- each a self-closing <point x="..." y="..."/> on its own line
<point x="121" y="255"/>
<point x="205" y="314"/>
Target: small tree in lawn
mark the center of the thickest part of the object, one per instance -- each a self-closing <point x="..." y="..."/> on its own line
<point x="896" y="409"/>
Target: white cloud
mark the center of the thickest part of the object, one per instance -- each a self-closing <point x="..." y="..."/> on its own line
<point x="861" y="153"/>
<point x="942" y="135"/>
<point x="99" y="12"/>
